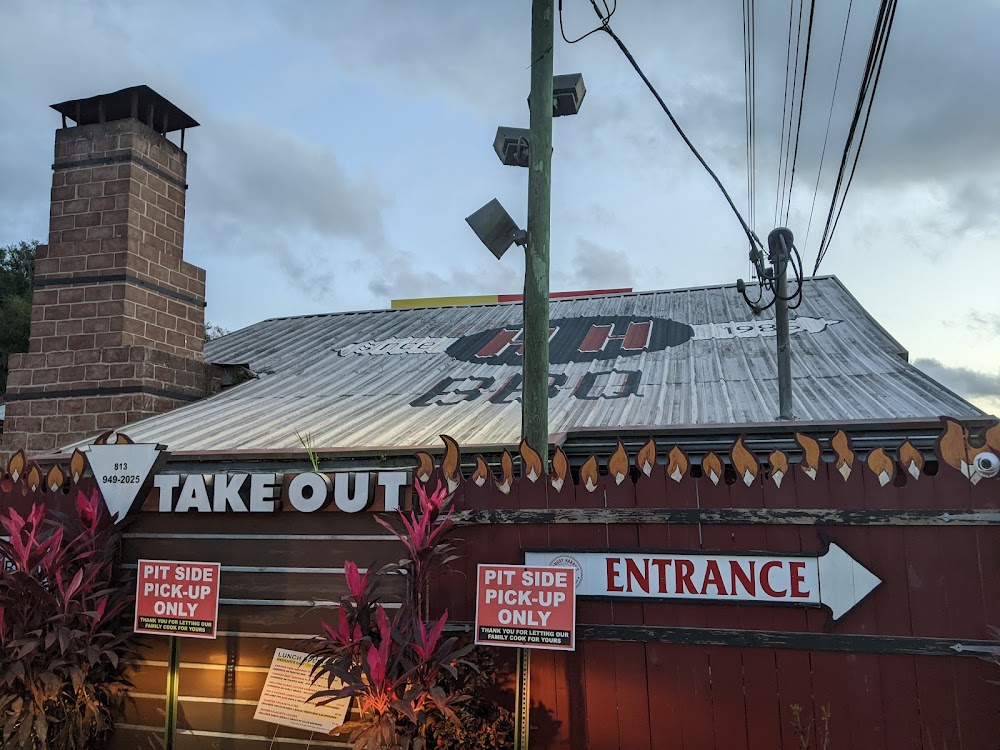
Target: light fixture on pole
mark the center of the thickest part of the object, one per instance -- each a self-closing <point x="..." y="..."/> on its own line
<point x="495" y="229"/>
<point x="567" y="94"/>
<point x="511" y="145"/>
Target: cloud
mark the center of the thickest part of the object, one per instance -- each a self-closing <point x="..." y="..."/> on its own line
<point x="596" y="267"/>
<point x="963" y="380"/>
<point x="986" y="322"/>
<point x="257" y="190"/>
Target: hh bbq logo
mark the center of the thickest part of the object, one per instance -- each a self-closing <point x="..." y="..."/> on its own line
<point x="575" y="340"/>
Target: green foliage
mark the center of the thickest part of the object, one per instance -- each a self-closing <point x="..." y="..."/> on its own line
<point x="63" y="648"/>
<point x="397" y="671"/>
<point x="17" y="264"/>
<point x="213" y="331"/>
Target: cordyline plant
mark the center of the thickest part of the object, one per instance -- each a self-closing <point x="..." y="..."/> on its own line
<point x="397" y="669"/>
<point x="63" y="651"/>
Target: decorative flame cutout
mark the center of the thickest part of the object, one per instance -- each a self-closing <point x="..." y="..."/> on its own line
<point x="34" y="478"/>
<point x="451" y="463"/>
<point x="424" y="467"/>
<point x="531" y="462"/>
<point x="882" y="466"/>
<point x="911" y="459"/>
<point x="589" y="475"/>
<point x="677" y="464"/>
<point x="77" y="465"/>
<point x="744" y="461"/>
<point x="779" y="466"/>
<point x="507" y="473"/>
<point x="15" y="467"/>
<point x="993" y="438"/>
<point x="54" y="479"/>
<point x="845" y="456"/>
<point x="560" y="470"/>
<point x="113" y="438"/>
<point x="618" y="464"/>
<point x="711" y="467"/>
<point x="646" y="459"/>
<point x="482" y="471"/>
<point x="810" y="454"/>
<point x="957" y="452"/>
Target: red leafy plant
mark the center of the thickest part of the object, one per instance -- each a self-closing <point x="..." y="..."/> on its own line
<point x="398" y="670"/>
<point x="63" y="650"/>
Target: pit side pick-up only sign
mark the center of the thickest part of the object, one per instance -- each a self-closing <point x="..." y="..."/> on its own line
<point x="177" y="598"/>
<point x="526" y="607"/>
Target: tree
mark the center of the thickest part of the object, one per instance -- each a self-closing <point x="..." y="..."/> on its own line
<point x="213" y="331"/>
<point x="17" y="267"/>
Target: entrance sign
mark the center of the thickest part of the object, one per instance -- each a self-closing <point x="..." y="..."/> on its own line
<point x="285" y="698"/>
<point x="121" y="471"/>
<point x="526" y="606"/>
<point x="177" y="598"/>
<point x="833" y="580"/>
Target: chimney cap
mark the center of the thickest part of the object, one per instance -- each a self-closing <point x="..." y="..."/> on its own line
<point x="139" y="102"/>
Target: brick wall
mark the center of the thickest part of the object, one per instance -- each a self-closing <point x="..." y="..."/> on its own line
<point x="117" y="324"/>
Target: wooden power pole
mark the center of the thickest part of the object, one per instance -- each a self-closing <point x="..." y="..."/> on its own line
<point x="535" y="388"/>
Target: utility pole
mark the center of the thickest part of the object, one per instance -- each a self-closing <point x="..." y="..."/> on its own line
<point x="778" y="243"/>
<point x="535" y="385"/>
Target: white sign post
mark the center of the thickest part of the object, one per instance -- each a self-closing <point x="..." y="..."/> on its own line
<point x="833" y="580"/>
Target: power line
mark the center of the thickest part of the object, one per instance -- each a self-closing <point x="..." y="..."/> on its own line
<point x="784" y="112"/>
<point x="605" y="27"/>
<point x="802" y="96"/>
<point x="829" y="119"/>
<point x="863" y="107"/>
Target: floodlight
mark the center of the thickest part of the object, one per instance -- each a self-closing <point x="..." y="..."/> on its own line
<point x="495" y="229"/>
<point x="567" y="94"/>
<point x="511" y="145"/>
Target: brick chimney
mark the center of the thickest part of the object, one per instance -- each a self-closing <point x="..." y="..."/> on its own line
<point x="117" y="318"/>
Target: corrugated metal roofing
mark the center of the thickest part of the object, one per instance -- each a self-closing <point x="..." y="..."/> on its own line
<point x="394" y="378"/>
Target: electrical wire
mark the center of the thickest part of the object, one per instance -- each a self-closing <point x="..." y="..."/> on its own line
<point x="605" y="27"/>
<point x="802" y="96"/>
<point x="863" y="107"/>
<point x="829" y="120"/>
<point x="782" y="150"/>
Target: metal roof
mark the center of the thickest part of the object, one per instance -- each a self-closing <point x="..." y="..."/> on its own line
<point x="393" y="378"/>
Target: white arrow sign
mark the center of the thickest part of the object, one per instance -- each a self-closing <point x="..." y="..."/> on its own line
<point x="834" y="580"/>
<point x="121" y="471"/>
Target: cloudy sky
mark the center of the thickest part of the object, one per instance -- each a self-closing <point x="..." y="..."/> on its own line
<point x="342" y="144"/>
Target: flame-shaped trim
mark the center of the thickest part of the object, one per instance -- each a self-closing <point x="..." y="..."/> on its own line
<point x="482" y="472"/>
<point x="677" y="464"/>
<point x="711" y="467"/>
<point x="911" y="459"/>
<point x="451" y="462"/>
<point x="54" y="479"/>
<point x="77" y="465"/>
<point x="531" y="462"/>
<point x="506" y="473"/>
<point x="779" y="466"/>
<point x="15" y="466"/>
<point x="744" y="461"/>
<point x="589" y="474"/>
<point x="425" y="466"/>
<point x="881" y="466"/>
<point x="560" y="470"/>
<point x="618" y="464"/>
<point x="645" y="460"/>
<point x="34" y="478"/>
<point x="992" y="438"/>
<point x="810" y="454"/>
<point x="841" y="445"/>
<point x="956" y="451"/>
<point x="113" y="438"/>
